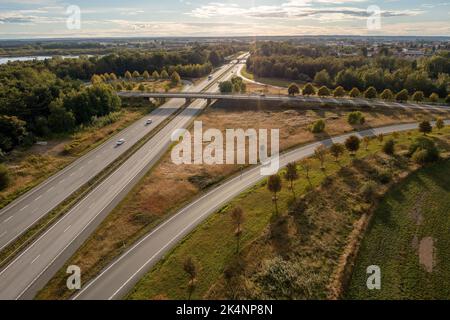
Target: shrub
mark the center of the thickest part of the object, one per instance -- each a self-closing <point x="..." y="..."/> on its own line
<point x="389" y="147"/>
<point x="383" y="176"/>
<point x="354" y="93"/>
<point x="368" y="191"/>
<point x="4" y="177"/>
<point x="387" y="95"/>
<point x="418" y="96"/>
<point x="323" y="92"/>
<point x="352" y="144"/>
<point x="423" y="150"/>
<point x="293" y="89"/>
<point x="447" y="100"/>
<point x="309" y="90"/>
<point x="434" y="97"/>
<point x="318" y="126"/>
<point x="425" y="127"/>
<point x="371" y="93"/>
<point x="339" y="92"/>
<point x="402" y="95"/>
<point x="356" y="117"/>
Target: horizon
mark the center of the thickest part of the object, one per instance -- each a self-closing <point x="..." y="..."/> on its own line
<point x="58" y="19"/>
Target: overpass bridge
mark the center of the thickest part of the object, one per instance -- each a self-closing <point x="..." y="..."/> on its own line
<point x="190" y="96"/>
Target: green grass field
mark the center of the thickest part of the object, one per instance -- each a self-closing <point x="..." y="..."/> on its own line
<point x="413" y="211"/>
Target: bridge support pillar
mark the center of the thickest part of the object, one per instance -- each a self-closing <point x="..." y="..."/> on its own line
<point x="188" y="101"/>
<point x="208" y="102"/>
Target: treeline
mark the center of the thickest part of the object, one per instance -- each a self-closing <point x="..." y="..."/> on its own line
<point x="188" y="63"/>
<point x="430" y="74"/>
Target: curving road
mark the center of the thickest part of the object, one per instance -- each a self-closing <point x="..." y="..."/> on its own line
<point x="31" y="270"/>
<point x="120" y="277"/>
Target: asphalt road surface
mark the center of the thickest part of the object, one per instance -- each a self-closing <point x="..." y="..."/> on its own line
<point x="24" y="212"/>
<point x="32" y="269"/>
<point x="115" y="281"/>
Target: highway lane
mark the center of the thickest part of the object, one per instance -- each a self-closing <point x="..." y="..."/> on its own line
<point x="32" y="269"/>
<point x="24" y="212"/>
<point x="115" y="281"/>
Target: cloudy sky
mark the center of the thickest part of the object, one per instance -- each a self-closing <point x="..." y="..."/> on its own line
<point x="113" y="18"/>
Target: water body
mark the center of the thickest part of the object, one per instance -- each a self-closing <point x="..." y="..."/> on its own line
<point x="5" y="60"/>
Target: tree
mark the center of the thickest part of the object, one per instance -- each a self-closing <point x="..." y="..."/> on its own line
<point x="237" y="215"/>
<point x="370" y="93"/>
<point x="322" y="78"/>
<point x="425" y="127"/>
<point x="434" y="97"/>
<point x="402" y="96"/>
<point x="291" y="175"/>
<point x="352" y="144"/>
<point x="336" y="150"/>
<point x="354" y="93"/>
<point x="136" y="75"/>
<point x="387" y="95"/>
<point x="175" y="78"/>
<point x="440" y="124"/>
<point x="339" y="92"/>
<point x="112" y="76"/>
<point x="12" y="132"/>
<point x="320" y="153"/>
<point x="447" y="100"/>
<point x="146" y="75"/>
<point x="226" y="87"/>
<point x="214" y="58"/>
<point x="323" y="92"/>
<point x="318" y="126"/>
<point x="141" y="87"/>
<point x="164" y="74"/>
<point x="190" y="267"/>
<point x="309" y="90"/>
<point x="96" y="79"/>
<point x="423" y="150"/>
<point x="4" y="177"/>
<point x="380" y="138"/>
<point x="155" y="75"/>
<point x="274" y="185"/>
<point x="307" y="168"/>
<point x="293" y="89"/>
<point x="60" y="120"/>
<point x="389" y="147"/>
<point x="418" y="96"/>
<point x="128" y="75"/>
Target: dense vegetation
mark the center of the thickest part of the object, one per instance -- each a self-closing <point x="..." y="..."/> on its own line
<point x="382" y="71"/>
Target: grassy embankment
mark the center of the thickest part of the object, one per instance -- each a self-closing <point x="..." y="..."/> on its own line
<point x="294" y="255"/>
<point x="168" y="187"/>
<point x="409" y="240"/>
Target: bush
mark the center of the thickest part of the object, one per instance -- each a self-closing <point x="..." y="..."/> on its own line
<point x="354" y="93"/>
<point x="368" y="191"/>
<point x="323" y="92"/>
<point x="387" y="95"/>
<point x="4" y="177"/>
<point x="402" y="95"/>
<point x="309" y="90"/>
<point x="423" y="150"/>
<point x="318" y="126"/>
<point x="418" y="96"/>
<point x="434" y="97"/>
<point x="339" y="92"/>
<point x="383" y="176"/>
<point x="425" y="127"/>
<point x="389" y="147"/>
<point x="447" y="100"/>
<point x="356" y="117"/>
<point x="293" y="89"/>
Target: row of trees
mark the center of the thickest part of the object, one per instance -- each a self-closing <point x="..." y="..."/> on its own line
<point x="370" y="93"/>
<point x="235" y="85"/>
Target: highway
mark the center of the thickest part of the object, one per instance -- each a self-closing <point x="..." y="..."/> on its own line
<point x="24" y="212"/>
<point x="32" y="268"/>
<point x="115" y="281"/>
<point x="372" y="103"/>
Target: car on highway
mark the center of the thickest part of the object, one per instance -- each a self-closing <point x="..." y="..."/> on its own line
<point x="210" y="77"/>
<point x="148" y="122"/>
<point x="120" y="142"/>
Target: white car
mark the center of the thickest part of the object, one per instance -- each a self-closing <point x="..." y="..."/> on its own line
<point x="120" y="142"/>
<point x="148" y="122"/>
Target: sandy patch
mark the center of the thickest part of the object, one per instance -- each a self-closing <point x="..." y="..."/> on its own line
<point x="426" y="253"/>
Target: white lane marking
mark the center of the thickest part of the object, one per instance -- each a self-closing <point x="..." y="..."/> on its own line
<point x="6" y="220"/>
<point x="67" y="229"/>
<point x="61" y="181"/>
<point x="5" y="232"/>
<point x="23" y="208"/>
<point x="38" y="198"/>
<point x="81" y="168"/>
<point x="73" y="173"/>
<point x="34" y="260"/>
<point x="50" y="189"/>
